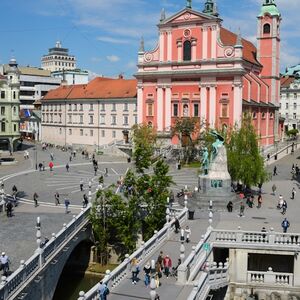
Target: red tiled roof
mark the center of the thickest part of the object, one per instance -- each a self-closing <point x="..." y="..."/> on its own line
<point x="286" y="81"/>
<point x="229" y="38"/>
<point x="98" y="88"/>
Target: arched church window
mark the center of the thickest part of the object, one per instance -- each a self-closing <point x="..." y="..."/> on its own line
<point x="267" y="28"/>
<point x="187" y="51"/>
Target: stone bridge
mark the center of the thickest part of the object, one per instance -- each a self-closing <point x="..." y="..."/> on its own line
<point x="37" y="278"/>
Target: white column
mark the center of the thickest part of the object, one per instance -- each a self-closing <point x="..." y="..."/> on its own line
<point x="194" y="50"/>
<point x="204" y="43"/>
<point x="212" y="106"/>
<point x="237" y="109"/>
<point x="214" y="42"/>
<point x="161" y="46"/>
<point x="179" y="50"/>
<point x="203" y="95"/>
<point x="160" y="107"/>
<point x="168" y="106"/>
<point x="169" y="46"/>
<point x="140" y="104"/>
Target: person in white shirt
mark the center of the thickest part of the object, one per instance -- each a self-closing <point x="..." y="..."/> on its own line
<point x="4" y="261"/>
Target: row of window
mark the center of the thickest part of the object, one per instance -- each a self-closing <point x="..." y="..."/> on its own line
<point x="3" y="127"/>
<point x="287" y="116"/>
<point x="48" y="118"/>
<point x="59" y="57"/>
<point x="288" y="95"/>
<point x="2" y="110"/>
<point x="287" y="105"/>
<point x="91" y="132"/>
<point x="63" y="64"/>
<point x="3" y="94"/>
<point x="79" y="107"/>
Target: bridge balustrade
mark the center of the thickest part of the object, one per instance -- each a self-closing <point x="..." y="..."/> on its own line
<point x="37" y="260"/>
<point x="270" y="277"/>
<point x="123" y="270"/>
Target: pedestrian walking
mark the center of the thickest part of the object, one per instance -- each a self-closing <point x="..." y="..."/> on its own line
<point x="284" y="207"/>
<point x="70" y="158"/>
<point x="106" y="172"/>
<point x="177" y="225"/>
<point x="103" y="290"/>
<point x="51" y="166"/>
<point x="67" y="167"/>
<point x="280" y="202"/>
<point x="2" y="184"/>
<point x="134" y="270"/>
<point x="268" y="156"/>
<point x="274" y="188"/>
<point x="160" y="260"/>
<point x="188" y="233"/>
<point x="25" y="155"/>
<point x="81" y="185"/>
<point x="9" y="208"/>
<point x="259" y="201"/>
<point x="56" y="196"/>
<point x="152" y="266"/>
<point x="43" y="166"/>
<point x="4" y="262"/>
<point x="95" y="170"/>
<point x="242" y="209"/>
<point x="293" y="193"/>
<point x="158" y="274"/>
<point x="167" y="265"/>
<point x="285" y="225"/>
<point x="230" y="206"/>
<point x="14" y="190"/>
<point x="67" y="203"/>
<point x="275" y="171"/>
<point x="40" y="166"/>
<point x="147" y="270"/>
<point x="182" y="235"/>
<point x="35" y="199"/>
<point x="85" y="201"/>
<point x="51" y="156"/>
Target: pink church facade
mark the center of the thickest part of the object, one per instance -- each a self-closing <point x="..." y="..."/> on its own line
<point x="200" y="69"/>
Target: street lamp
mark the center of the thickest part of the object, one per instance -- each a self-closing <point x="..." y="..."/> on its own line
<point x="35" y="148"/>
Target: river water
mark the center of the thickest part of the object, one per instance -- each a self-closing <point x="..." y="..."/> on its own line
<point x="71" y="283"/>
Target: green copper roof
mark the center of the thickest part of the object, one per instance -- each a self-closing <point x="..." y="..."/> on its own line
<point x="270" y="9"/>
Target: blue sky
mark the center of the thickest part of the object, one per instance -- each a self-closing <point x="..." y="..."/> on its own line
<point x="104" y="35"/>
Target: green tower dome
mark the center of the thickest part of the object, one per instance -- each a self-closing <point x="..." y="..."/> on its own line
<point x="269" y="7"/>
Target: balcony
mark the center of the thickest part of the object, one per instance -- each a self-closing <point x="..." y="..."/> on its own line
<point x="270" y="278"/>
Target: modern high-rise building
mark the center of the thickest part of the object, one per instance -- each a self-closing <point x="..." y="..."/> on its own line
<point x="58" y="59"/>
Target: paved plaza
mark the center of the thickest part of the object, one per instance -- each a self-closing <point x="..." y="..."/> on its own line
<point x="18" y="233"/>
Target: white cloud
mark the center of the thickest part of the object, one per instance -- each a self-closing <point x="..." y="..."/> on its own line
<point x="113" y="58"/>
<point x="112" y="40"/>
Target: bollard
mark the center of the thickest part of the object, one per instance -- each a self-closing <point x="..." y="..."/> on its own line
<point x="81" y="295"/>
<point x="152" y="287"/>
<point x="53" y="235"/>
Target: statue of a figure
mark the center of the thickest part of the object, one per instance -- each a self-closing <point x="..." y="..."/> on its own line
<point x="189" y="3"/>
<point x="205" y="161"/>
<point x="218" y="143"/>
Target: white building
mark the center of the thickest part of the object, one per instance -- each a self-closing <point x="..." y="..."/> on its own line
<point x="290" y="102"/>
<point x="76" y="76"/>
<point x="89" y="115"/>
<point x="58" y="59"/>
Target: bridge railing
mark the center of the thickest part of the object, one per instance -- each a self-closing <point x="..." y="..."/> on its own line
<point x="270" y="277"/>
<point x="246" y="238"/>
<point x="64" y="233"/>
<point x="38" y="259"/>
<point x="123" y="270"/>
<point x="191" y="266"/>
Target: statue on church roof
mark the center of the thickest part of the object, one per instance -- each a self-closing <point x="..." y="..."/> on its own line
<point x="142" y="45"/>
<point x="189" y="4"/>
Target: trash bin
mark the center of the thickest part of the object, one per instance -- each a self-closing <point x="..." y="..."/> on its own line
<point x="275" y="157"/>
<point x="129" y="159"/>
<point x="191" y="214"/>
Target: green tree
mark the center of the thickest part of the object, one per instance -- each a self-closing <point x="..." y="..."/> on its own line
<point x="245" y="162"/>
<point x="114" y="222"/>
<point x="186" y="129"/>
<point x="144" y="139"/>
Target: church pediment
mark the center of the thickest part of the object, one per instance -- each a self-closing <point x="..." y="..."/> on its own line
<point x="187" y="15"/>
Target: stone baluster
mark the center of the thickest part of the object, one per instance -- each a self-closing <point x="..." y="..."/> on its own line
<point x="65" y="226"/>
<point x="182" y="250"/>
<point x="239" y="235"/>
<point x="22" y="266"/>
<point x="107" y="276"/>
<point x="271" y="236"/>
<point x="156" y="236"/>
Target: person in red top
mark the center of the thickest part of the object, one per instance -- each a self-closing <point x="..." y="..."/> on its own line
<point x="50" y="165"/>
<point x="167" y="265"/>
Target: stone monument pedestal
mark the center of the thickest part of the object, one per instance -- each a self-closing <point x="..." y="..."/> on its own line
<point x="215" y="186"/>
